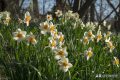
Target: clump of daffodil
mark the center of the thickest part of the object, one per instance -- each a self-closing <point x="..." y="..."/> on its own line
<point x="89" y="53"/>
<point x="31" y="39"/>
<point x="116" y="61"/>
<point x="60" y="53"/>
<point x="27" y="18"/>
<point x="107" y="35"/>
<point x="44" y="26"/>
<point x="19" y="35"/>
<point x="90" y="35"/>
<point x="56" y="40"/>
<point x="64" y="64"/>
<point x="49" y="17"/>
<point x="7" y="19"/>
<point x="58" y="13"/>
<point x="90" y="26"/>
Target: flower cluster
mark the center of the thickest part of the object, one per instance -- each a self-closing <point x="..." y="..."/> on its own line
<point x="56" y="42"/>
<point x="5" y="17"/>
<point x="20" y="35"/>
<point x="26" y="20"/>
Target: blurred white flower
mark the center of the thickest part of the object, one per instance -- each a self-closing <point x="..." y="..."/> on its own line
<point x="31" y="39"/>
<point x="60" y="53"/>
<point x="85" y="40"/>
<point x="58" y="13"/>
<point x="44" y="26"/>
<point x="116" y="61"/>
<point x="89" y="53"/>
<point x="7" y="19"/>
<point x="49" y="17"/>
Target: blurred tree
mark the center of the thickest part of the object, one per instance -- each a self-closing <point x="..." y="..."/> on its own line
<point x="35" y="8"/>
<point x="2" y="5"/>
<point x="12" y="6"/>
<point x="92" y="12"/>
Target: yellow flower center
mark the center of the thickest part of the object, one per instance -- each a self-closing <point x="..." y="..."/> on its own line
<point x="53" y="44"/>
<point x="116" y="61"/>
<point x="61" y="53"/>
<point x="28" y="18"/>
<point x="85" y="40"/>
<point x="65" y="64"/>
<point x="48" y="17"/>
<point x="45" y="26"/>
<point x="52" y="28"/>
<point x="99" y="37"/>
<point x="89" y="54"/>
<point x="61" y="38"/>
<point x="32" y="40"/>
<point x="19" y="35"/>
<point x="90" y="34"/>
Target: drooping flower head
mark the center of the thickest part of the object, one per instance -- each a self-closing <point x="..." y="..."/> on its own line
<point x="31" y="39"/>
<point x="64" y="64"/>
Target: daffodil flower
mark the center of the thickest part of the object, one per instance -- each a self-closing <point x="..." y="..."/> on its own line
<point x="52" y="27"/>
<point x="116" y="61"/>
<point x="107" y="35"/>
<point x="27" y="18"/>
<point x="88" y="53"/>
<point x="85" y="40"/>
<point x="44" y="27"/>
<point x="19" y="35"/>
<point x="53" y="43"/>
<point x="31" y="39"/>
<point x="49" y="17"/>
<point x="99" y="36"/>
<point x="60" y="53"/>
<point x="64" y="64"/>
<point x="54" y="34"/>
<point x="110" y="45"/>
<point x="58" y="13"/>
<point x="7" y="20"/>
<point x="90" y="35"/>
<point x="60" y="38"/>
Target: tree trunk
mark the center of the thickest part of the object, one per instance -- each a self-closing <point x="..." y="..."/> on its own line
<point x="2" y="5"/>
<point x="85" y="7"/>
<point x="92" y="12"/>
<point x="35" y="8"/>
<point x="76" y="5"/>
